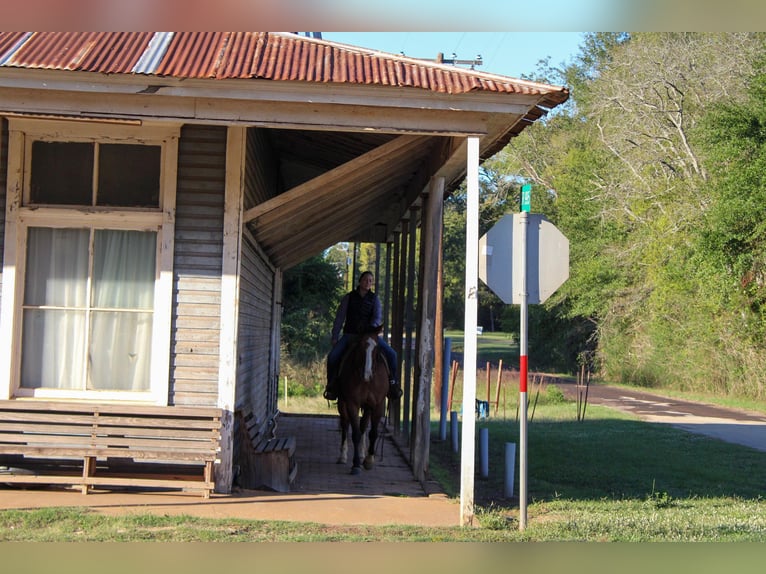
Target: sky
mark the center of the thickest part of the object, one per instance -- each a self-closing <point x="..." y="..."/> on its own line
<point x="488" y="16"/>
<point x="506" y="53"/>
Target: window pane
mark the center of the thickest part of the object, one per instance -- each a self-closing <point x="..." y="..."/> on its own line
<point x="53" y="349"/>
<point x="57" y="267"/>
<point x="124" y="269"/>
<point x="62" y="173"/>
<point x="129" y="175"/>
<point x="120" y="351"/>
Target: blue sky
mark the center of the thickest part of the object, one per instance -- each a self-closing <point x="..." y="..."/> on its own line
<point x="506" y="53"/>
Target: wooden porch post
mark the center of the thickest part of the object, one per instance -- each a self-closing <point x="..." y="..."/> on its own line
<point x="439" y="316"/>
<point x="409" y="321"/>
<point x="398" y="313"/>
<point x="387" y="295"/>
<point x="232" y="237"/>
<point x="421" y="413"/>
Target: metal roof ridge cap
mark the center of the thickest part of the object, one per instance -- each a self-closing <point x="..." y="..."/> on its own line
<point x="154" y="53"/>
<point x="13" y="49"/>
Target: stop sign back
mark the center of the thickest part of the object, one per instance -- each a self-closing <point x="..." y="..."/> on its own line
<point x="500" y="258"/>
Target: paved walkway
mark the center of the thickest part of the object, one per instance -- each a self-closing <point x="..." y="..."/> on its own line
<point x="730" y="425"/>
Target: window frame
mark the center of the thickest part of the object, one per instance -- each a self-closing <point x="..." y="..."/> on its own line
<point x="21" y="215"/>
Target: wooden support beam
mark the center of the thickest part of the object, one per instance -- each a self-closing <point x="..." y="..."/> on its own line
<point x="431" y="230"/>
<point x="356" y="171"/>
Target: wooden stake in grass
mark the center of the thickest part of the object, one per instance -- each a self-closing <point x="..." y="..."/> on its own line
<point x="453" y="376"/>
<point x="497" y="392"/>
<point x="489" y="373"/>
<point x="583" y="382"/>
<point x="503" y="403"/>
<point x="537" y="394"/>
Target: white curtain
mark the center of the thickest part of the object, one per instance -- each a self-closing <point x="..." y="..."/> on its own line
<point x="54" y="315"/>
<point x="118" y="311"/>
<point x="122" y="300"/>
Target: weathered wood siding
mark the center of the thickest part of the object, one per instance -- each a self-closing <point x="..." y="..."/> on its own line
<point x="256" y="389"/>
<point x="257" y="345"/>
<point x="261" y="176"/>
<point x="197" y="266"/>
<point x="3" y="181"/>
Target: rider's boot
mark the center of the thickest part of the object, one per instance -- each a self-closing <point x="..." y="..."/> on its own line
<point x="394" y="390"/>
<point x="331" y="391"/>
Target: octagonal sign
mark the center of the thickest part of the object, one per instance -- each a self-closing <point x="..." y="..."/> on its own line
<point x="500" y="258"/>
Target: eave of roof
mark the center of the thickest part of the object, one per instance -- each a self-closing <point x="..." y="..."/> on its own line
<point x="249" y="55"/>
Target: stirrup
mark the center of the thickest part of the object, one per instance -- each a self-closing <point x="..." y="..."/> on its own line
<point x="394" y="391"/>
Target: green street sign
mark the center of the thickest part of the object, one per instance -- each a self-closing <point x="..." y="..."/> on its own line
<point x="526" y="197"/>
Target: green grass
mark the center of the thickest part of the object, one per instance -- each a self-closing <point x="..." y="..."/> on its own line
<point x="491" y="347"/>
<point x="614" y="478"/>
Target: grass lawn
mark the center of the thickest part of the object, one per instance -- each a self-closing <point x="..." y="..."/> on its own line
<point x="615" y="478"/>
<point x="491" y="347"/>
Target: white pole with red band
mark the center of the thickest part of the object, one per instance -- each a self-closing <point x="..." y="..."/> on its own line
<point x="523" y="358"/>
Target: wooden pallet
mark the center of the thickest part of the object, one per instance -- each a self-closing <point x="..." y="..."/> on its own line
<point x="88" y="445"/>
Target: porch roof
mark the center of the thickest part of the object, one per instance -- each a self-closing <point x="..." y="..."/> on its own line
<point x="356" y="133"/>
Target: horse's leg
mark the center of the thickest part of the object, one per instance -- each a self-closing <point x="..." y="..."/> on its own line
<point x="364" y="444"/>
<point x="376" y="415"/>
<point x="343" y="454"/>
<point x="356" y="437"/>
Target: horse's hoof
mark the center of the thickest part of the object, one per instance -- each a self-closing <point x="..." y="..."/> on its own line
<point x="341" y="461"/>
<point x="369" y="462"/>
<point x="356" y="470"/>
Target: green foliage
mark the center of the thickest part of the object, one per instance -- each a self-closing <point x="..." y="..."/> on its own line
<point x="304" y="378"/>
<point x="553" y="395"/>
<point x="311" y="292"/>
<point x="656" y="178"/>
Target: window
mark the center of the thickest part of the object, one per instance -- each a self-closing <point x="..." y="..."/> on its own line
<point x="63" y="173"/>
<point x="87" y="312"/>
<point x="93" y="259"/>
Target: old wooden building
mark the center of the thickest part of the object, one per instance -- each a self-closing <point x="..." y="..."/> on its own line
<point x="157" y="185"/>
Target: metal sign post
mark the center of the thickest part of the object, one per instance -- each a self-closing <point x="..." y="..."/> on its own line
<point x="523" y="374"/>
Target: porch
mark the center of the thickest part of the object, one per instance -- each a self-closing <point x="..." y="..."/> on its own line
<point x="323" y="492"/>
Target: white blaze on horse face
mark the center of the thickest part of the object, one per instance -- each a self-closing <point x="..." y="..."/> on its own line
<point x="371" y="342"/>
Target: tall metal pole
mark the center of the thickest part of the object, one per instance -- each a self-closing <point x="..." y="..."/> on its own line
<point x="468" y="448"/>
<point x="523" y="374"/>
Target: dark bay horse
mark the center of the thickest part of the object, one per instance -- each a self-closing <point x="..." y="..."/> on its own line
<point x="363" y="387"/>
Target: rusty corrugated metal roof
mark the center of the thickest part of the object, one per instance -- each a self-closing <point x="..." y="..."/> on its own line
<point x="250" y="55"/>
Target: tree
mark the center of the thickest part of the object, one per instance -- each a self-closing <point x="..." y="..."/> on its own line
<point x="651" y="242"/>
<point x="311" y="293"/>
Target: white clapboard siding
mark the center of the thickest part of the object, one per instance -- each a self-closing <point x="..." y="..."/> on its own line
<point x="197" y="266"/>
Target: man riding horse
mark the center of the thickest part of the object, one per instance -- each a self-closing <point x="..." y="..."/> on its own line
<point x="358" y="312"/>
